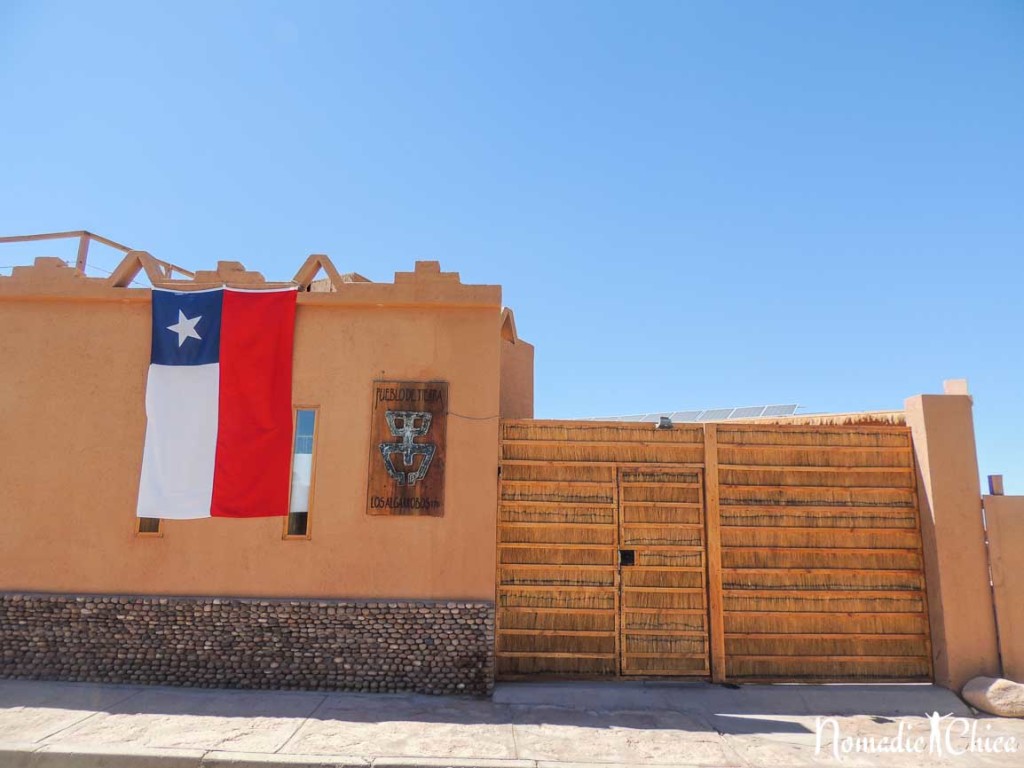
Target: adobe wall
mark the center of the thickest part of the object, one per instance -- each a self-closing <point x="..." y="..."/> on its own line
<point x="516" y="372"/>
<point x="75" y="353"/>
<point x="963" y="630"/>
<point x="1005" y="518"/>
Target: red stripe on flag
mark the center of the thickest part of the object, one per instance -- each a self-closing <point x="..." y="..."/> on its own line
<point x="252" y="470"/>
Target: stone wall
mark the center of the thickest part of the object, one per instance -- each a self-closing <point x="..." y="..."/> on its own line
<point x="427" y="647"/>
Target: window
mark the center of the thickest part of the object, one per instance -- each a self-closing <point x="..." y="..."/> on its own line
<point x="147" y="525"/>
<point x="297" y="526"/>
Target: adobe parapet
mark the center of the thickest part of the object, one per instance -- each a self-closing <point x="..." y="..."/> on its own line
<point x="50" y="278"/>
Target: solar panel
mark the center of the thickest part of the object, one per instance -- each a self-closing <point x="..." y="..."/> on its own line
<point x="780" y="410"/>
<point x="716" y="414"/>
<point x="748" y="413"/>
<point x="710" y="414"/>
<point x="684" y="416"/>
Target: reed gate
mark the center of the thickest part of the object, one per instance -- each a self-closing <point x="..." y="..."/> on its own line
<point x="730" y="551"/>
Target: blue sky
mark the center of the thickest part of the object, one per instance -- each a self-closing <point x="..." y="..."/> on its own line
<point x="688" y="204"/>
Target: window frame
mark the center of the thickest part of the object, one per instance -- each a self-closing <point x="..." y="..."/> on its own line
<point x="157" y="534"/>
<point x="312" y="474"/>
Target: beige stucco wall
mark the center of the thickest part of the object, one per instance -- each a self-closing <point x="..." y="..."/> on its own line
<point x="953" y="537"/>
<point x="74" y="354"/>
<point x="516" y="379"/>
<point x="1005" y="518"/>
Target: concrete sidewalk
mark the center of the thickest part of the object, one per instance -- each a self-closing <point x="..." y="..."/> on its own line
<point x="46" y="725"/>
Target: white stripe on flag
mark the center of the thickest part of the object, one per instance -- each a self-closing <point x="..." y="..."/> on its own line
<point x="181" y="441"/>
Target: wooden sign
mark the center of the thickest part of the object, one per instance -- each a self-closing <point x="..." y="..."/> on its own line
<point x="409" y="420"/>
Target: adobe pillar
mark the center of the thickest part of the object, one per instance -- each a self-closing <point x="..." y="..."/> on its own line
<point x="1005" y="518"/>
<point x="960" y="606"/>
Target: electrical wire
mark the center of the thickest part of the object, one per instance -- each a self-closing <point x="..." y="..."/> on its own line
<point x="108" y="272"/>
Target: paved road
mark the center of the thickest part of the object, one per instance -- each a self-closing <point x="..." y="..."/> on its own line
<point x="50" y="725"/>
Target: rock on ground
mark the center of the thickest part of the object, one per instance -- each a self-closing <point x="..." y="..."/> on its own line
<point x="995" y="695"/>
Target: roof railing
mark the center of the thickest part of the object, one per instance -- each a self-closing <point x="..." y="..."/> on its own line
<point x="84" y="239"/>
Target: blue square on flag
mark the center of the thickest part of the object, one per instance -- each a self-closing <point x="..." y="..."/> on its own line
<point x="186" y="327"/>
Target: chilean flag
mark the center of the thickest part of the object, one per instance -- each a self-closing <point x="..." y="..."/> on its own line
<point x="219" y="404"/>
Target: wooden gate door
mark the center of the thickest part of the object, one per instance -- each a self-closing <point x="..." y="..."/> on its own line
<point x="663" y="610"/>
<point x="751" y="552"/>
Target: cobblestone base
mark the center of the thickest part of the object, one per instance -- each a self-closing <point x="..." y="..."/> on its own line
<point x="426" y="647"/>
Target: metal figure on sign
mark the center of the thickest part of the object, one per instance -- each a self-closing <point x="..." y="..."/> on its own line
<point x="407" y="425"/>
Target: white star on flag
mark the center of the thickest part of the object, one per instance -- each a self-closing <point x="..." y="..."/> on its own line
<point x="185" y="328"/>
